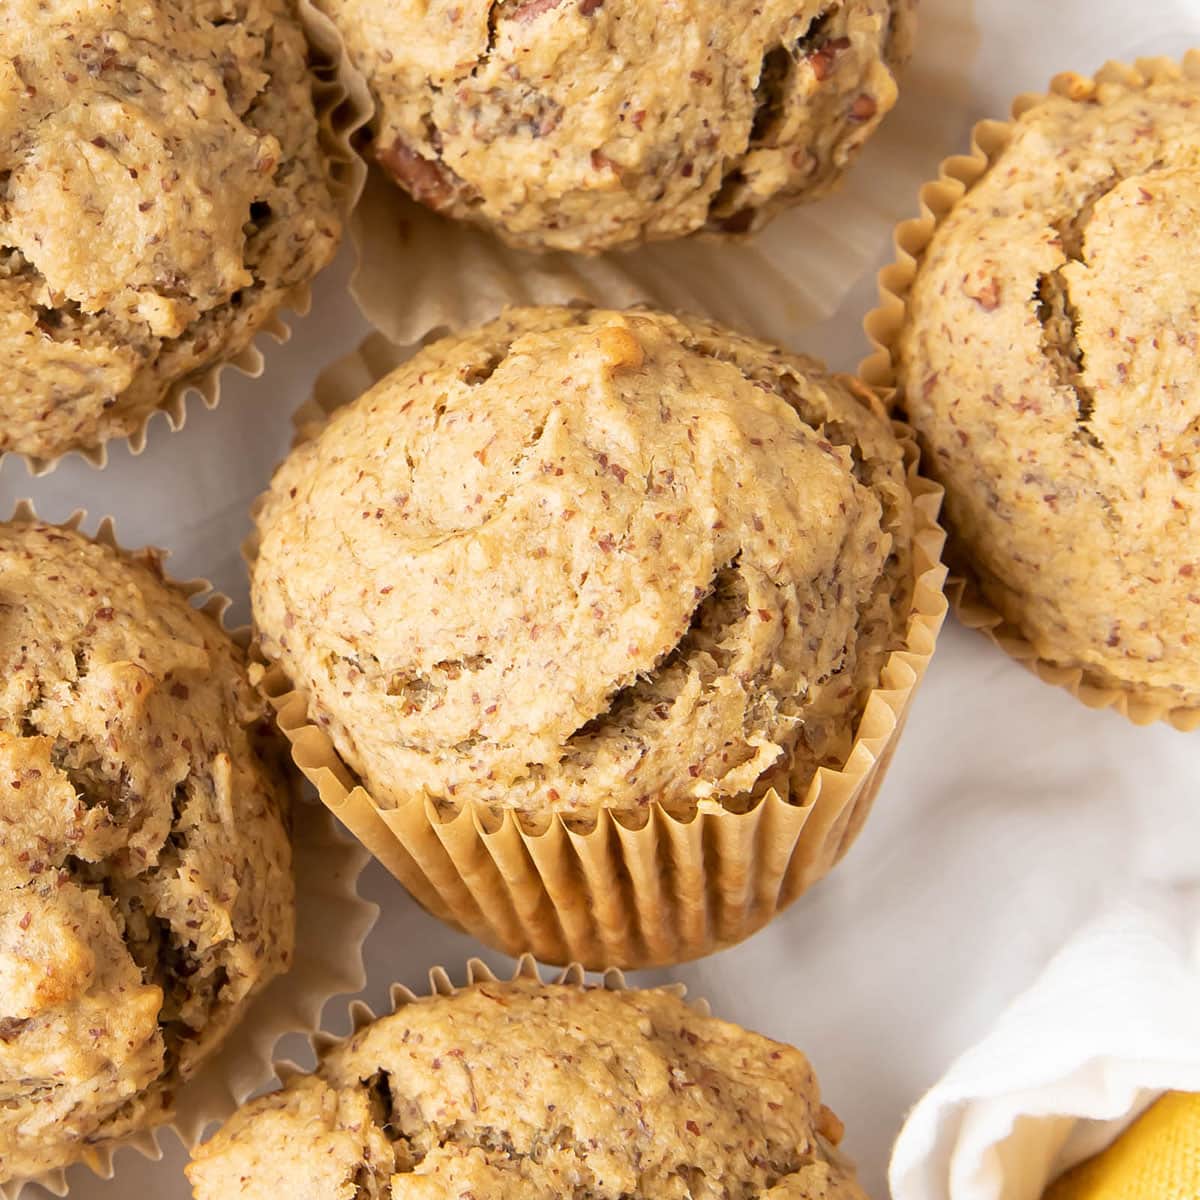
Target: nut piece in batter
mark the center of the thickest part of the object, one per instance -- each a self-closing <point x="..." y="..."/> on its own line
<point x="1049" y="364"/>
<point x="590" y="124"/>
<point x="582" y="560"/>
<point x="162" y="189"/>
<point x="528" y="1091"/>
<point x="145" y="867"/>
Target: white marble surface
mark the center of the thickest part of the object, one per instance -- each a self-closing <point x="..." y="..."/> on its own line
<point x="1011" y="812"/>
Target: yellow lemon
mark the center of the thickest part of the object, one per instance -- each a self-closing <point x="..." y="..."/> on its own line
<point x="1156" y="1158"/>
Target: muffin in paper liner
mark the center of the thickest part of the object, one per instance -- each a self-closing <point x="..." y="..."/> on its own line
<point x="664" y="892"/>
<point x="883" y="326"/>
<point x="612" y="979"/>
<point x="343" y="105"/>
<point x="332" y="923"/>
<point x="796" y="271"/>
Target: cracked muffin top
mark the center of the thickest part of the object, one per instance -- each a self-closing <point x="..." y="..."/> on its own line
<point x="145" y="868"/>
<point x="581" y="559"/>
<point x="590" y="124"/>
<point x="161" y="190"/>
<point x="1049" y="365"/>
<point x="529" y="1091"/>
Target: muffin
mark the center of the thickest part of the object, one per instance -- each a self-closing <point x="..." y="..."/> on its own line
<point x="145" y="868"/>
<point x="585" y="125"/>
<point x="582" y="560"/>
<point x="1048" y="363"/>
<point x="597" y="628"/>
<point x="528" y="1090"/>
<point x="162" y="191"/>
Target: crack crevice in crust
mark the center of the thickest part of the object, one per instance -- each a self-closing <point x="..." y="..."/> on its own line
<point x="777" y="66"/>
<point x="1060" y="318"/>
<point x="719" y="609"/>
<point x="493" y="23"/>
<point x="162" y="952"/>
<point x="775" y="72"/>
<point x="788" y="384"/>
<point x="501" y="1152"/>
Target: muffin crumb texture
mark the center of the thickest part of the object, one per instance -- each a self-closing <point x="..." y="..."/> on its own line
<point x="1050" y="367"/>
<point x="525" y="1091"/>
<point x="589" y="124"/>
<point x="162" y="189"/>
<point x="693" y="552"/>
<point x="145" y="869"/>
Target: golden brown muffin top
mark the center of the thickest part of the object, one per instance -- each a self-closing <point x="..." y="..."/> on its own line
<point x="528" y="1091"/>
<point x="582" y="559"/>
<point x="161" y="188"/>
<point x="145" y="869"/>
<point x="1050" y="366"/>
<point x="587" y="124"/>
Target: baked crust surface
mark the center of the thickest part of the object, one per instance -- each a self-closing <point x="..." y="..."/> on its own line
<point x="525" y="1091"/>
<point x="585" y="125"/>
<point x="145" y="866"/>
<point x="581" y="559"/>
<point x="162" y="189"/>
<point x="1049" y="365"/>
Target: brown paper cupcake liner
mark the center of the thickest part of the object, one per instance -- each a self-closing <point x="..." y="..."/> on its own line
<point x="343" y="106"/>
<point x="791" y="274"/>
<point x="956" y="176"/>
<point x="332" y="923"/>
<point x="665" y="892"/>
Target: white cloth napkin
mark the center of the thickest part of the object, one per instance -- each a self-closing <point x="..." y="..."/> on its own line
<point x="1112" y="1023"/>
